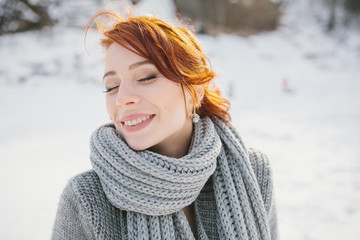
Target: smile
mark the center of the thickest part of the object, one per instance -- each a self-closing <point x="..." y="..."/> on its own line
<point x="136" y="121"/>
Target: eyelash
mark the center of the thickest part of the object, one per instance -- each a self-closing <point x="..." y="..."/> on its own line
<point x="109" y="89"/>
<point x="152" y="76"/>
<point x="139" y="80"/>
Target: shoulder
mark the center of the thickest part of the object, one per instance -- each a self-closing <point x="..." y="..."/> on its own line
<point x="86" y="189"/>
<point x="263" y="173"/>
<point x="260" y="164"/>
<point x="85" y="192"/>
<point x="82" y="191"/>
<point x="84" y="183"/>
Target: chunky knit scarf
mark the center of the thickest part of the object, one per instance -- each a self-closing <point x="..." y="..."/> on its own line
<point x="154" y="189"/>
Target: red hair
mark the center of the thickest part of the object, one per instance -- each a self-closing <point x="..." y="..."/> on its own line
<point x="174" y="51"/>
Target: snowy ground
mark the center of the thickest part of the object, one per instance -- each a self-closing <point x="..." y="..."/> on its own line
<point x="51" y="101"/>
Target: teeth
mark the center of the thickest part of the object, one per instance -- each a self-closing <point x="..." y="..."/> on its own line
<point x="136" y="121"/>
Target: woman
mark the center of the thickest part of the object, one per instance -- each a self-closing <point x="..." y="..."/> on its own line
<point x="170" y="165"/>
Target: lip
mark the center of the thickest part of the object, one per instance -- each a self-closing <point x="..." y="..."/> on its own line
<point x="138" y="126"/>
<point x="134" y="116"/>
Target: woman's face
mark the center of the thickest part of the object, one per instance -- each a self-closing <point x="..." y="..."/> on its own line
<point x="147" y="109"/>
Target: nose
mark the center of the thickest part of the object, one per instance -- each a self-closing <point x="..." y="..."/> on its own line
<point x="126" y="95"/>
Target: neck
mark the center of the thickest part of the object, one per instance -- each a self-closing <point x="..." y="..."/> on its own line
<point x="177" y="145"/>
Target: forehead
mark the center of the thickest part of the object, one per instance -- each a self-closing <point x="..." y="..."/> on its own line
<point x="118" y="56"/>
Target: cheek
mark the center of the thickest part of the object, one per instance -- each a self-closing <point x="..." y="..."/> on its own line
<point x="174" y="108"/>
<point x="110" y="106"/>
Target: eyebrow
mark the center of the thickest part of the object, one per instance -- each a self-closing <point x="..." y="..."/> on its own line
<point x="110" y="73"/>
<point x="131" y="67"/>
<point x="138" y="64"/>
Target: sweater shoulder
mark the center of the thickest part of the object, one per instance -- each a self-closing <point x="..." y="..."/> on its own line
<point x="86" y="188"/>
<point x="263" y="173"/>
<point x="259" y="162"/>
<point x="97" y="209"/>
<point x="89" y="192"/>
<point x="85" y="183"/>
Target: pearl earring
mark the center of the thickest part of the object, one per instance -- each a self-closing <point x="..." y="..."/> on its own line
<point x="194" y="116"/>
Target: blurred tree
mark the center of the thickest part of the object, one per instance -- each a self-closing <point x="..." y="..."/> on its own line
<point x="341" y="13"/>
<point x="353" y="6"/>
<point x="134" y="2"/>
<point x="23" y="15"/>
<point x="332" y="15"/>
<point x="241" y="16"/>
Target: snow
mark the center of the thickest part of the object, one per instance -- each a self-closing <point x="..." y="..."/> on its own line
<point x="51" y="101"/>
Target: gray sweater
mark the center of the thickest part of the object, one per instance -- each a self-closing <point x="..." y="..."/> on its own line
<point x="84" y="212"/>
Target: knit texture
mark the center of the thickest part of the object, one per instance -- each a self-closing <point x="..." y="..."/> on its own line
<point x="149" y="183"/>
<point x="235" y="203"/>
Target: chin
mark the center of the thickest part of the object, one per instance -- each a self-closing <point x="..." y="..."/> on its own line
<point x="137" y="146"/>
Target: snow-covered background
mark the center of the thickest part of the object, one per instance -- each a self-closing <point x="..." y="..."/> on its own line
<point x="51" y="100"/>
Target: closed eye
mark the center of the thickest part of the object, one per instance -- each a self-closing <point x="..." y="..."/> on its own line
<point x="110" y="89"/>
<point x="147" y="78"/>
<point x="139" y="80"/>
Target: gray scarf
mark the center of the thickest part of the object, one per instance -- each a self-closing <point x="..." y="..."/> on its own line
<point x="154" y="189"/>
